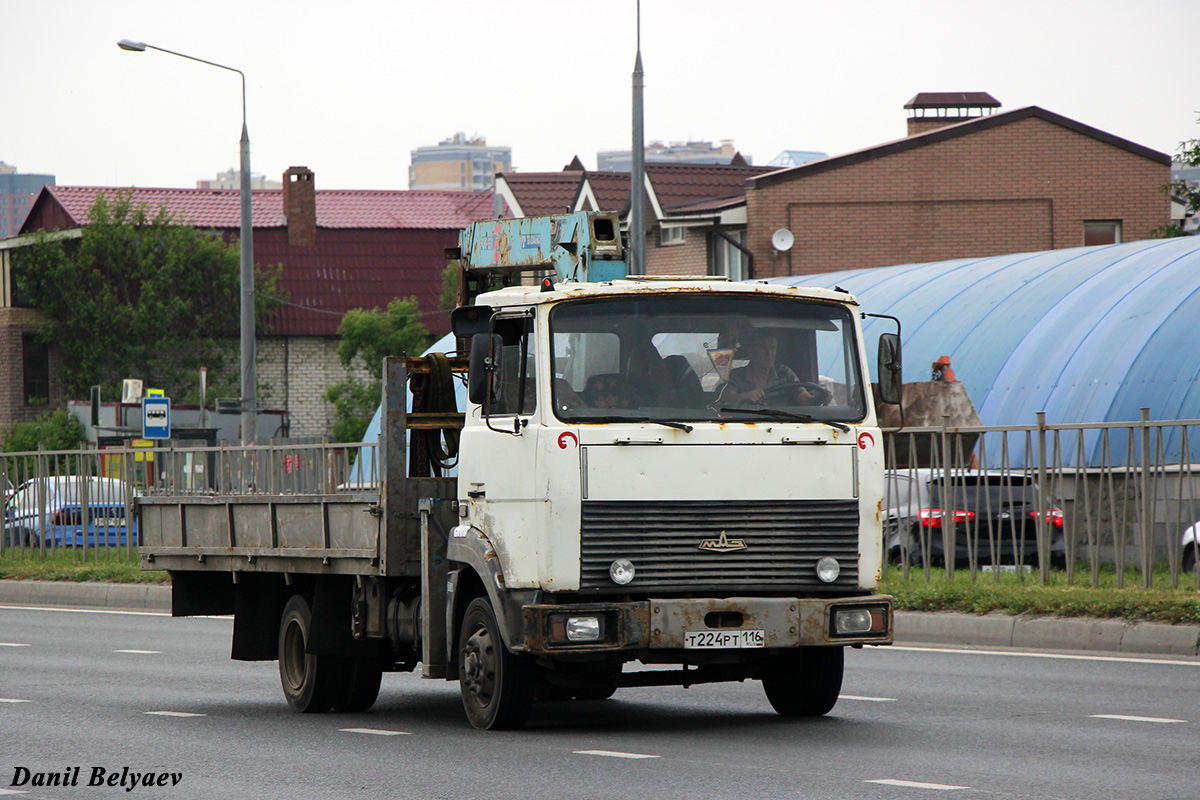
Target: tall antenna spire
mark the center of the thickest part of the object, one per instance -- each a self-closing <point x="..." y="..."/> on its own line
<point x="637" y="178"/>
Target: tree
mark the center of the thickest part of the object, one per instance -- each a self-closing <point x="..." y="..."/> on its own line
<point x="139" y="296"/>
<point x="371" y="335"/>
<point x="1188" y="194"/>
<point x="449" y="298"/>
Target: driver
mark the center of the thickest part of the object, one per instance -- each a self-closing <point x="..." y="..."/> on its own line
<point x="750" y="384"/>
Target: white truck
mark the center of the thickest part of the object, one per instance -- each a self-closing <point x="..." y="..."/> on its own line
<point x="630" y="490"/>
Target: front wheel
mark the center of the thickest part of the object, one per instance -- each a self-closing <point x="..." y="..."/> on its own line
<point x="497" y="686"/>
<point x="805" y="682"/>
<point x="310" y="683"/>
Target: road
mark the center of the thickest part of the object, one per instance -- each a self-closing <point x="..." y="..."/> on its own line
<point x="142" y="691"/>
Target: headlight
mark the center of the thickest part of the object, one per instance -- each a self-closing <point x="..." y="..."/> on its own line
<point x="828" y="569"/>
<point x="859" y="621"/>
<point x="565" y="629"/>
<point x="852" y="620"/>
<point x="621" y="571"/>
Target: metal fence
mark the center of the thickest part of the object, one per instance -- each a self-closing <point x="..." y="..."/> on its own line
<point x="1084" y="498"/>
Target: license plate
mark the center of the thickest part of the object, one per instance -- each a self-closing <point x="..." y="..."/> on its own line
<point x="109" y="522"/>
<point x="699" y="640"/>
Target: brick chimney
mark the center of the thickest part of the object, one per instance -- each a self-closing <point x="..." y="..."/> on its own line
<point x="300" y="206"/>
<point x="931" y="110"/>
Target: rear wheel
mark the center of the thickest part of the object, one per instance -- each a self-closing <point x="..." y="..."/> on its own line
<point x="360" y="688"/>
<point x="497" y="686"/>
<point x="310" y="683"/>
<point x="805" y="682"/>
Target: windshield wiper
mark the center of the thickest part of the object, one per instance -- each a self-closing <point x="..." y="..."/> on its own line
<point x="778" y="414"/>
<point x="677" y="425"/>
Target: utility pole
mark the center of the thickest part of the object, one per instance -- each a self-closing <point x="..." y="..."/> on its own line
<point x="637" y="180"/>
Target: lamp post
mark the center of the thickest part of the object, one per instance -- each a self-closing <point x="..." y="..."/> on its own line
<point x="249" y="401"/>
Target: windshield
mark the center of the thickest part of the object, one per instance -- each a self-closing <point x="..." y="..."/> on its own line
<point x="711" y="357"/>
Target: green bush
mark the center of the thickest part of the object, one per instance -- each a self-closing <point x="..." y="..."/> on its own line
<point x="55" y="430"/>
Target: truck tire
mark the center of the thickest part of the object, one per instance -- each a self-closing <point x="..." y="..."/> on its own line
<point x="496" y="685"/>
<point x="310" y="683"/>
<point x="805" y="682"/>
<point x="360" y="688"/>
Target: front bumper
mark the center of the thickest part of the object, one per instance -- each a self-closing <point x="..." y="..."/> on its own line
<point x="663" y="624"/>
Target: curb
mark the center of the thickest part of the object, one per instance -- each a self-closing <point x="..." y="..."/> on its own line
<point x="912" y="627"/>
<point x="1047" y="633"/>
<point x="127" y="596"/>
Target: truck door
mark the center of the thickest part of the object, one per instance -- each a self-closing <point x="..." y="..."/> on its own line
<point x="497" y="471"/>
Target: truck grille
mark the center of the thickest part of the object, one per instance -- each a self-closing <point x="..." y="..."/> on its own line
<point x="784" y="540"/>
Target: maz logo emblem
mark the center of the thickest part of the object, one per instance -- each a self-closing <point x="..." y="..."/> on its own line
<point x="723" y="544"/>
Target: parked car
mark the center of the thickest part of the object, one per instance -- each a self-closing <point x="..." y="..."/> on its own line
<point x="992" y="514"/>
<point x="1189" y="547"/>
<point x="51" y="512"/>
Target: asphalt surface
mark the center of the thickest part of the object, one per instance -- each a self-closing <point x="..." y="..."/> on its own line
<point x="89" y="692"/>
<point x="989" y="630"/>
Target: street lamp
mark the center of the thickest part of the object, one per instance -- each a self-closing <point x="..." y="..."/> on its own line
<point x="249" y="379"/>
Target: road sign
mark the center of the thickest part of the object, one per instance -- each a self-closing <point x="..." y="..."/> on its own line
<point x="156" y="418"/>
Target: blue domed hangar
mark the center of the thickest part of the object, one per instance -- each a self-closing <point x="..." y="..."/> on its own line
<point x="1087" y="334"/>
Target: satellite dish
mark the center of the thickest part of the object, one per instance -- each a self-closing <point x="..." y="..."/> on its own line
<point x="782" y="240"/>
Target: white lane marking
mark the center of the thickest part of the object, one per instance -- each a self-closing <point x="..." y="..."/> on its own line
<point x="90" y="611"/>
<point x="11" y="700"/>
<point x="941" y="787"/>
<point x="866" y="699"/>
<point x="173" y="714"/>
<point x="612" y="754"/>
<point x="12" y="791"/>
<point x="12" y="644"/>
<point x="376" y="731"/>
<point x="140" y="652"/>
<point x="1164" y="720"/>
<point x="1062" y="656"/>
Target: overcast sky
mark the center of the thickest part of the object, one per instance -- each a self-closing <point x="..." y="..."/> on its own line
<point x="350" y="88"/>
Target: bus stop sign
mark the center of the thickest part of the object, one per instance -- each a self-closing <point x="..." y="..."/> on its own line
<point x="156" y="418"/>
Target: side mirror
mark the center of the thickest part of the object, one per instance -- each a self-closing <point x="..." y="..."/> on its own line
<point x="485" y="357"/>
<point x="466" y="321"/>
<point x="890" y="368"/>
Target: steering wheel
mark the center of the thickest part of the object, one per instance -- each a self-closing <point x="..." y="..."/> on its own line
<point x="818" y="391"/>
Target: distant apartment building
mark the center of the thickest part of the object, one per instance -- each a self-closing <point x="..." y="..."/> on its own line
<point x="458" y="164"/>
<point x="794" y="158"/>
<point x="17" y="193"/>
<point x="232" y="179"/>
<point x="697" y="152"/>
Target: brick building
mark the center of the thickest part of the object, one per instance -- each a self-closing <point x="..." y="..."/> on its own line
<point x="1004" y="182"/>
<point x="339" y="250"/>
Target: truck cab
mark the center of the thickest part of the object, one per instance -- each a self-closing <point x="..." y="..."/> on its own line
<point x="672" y="471"/>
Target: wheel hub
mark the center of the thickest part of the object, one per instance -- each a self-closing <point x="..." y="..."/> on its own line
<point x="479" y="666"/>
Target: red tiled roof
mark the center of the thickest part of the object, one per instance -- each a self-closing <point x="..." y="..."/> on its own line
<point x="542" y="193"/>
<point x="611" y="190"/>
<point x="221" y="208"/>
<point x="679" y="185"/>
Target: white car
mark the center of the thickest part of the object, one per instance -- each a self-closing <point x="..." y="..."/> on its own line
<point x="1189" y="547"/>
